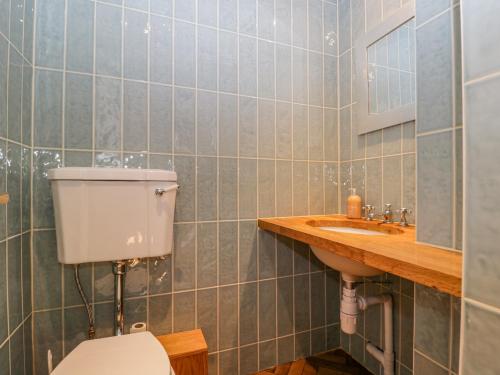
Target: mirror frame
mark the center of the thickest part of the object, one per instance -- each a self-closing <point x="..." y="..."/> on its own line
<point x="370" y="122"/>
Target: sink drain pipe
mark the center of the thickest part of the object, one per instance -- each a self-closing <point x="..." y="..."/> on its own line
<point x="350" y="307"/>
<point x="386" y="356"/>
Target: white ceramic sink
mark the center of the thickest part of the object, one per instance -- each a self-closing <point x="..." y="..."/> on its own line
<point x="364" y="232"/>
<point x="355" y="227"/>
<point x="345" y="265"/>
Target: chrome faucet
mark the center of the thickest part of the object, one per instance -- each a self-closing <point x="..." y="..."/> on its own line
<point x="403" y="222"/>
<point x="387" y="214"/>
<point x="369" y="212"/>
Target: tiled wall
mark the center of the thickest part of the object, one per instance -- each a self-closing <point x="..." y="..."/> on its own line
<point x="481" y="57"/>
<point x="16" y="69"/>
<point x="439" y="187"/>
<point x="240" y="97"/>
<point x="439" y="123"/>
<point x="381" y="166"/>
<point x="245" y="110"/>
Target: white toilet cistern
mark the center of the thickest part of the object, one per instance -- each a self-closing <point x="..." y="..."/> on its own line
<point x="112" y="214"/>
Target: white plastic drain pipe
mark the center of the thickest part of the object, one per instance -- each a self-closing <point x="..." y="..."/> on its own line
<point x="386" y="356"/>
<point x="350" y="307"/>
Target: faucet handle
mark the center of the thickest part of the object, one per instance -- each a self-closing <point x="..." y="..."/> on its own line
<point x="369" y="212"/>
<point x="403" y="220"/>
<point x="387" y="214"/>
<point x="368" y="208"/>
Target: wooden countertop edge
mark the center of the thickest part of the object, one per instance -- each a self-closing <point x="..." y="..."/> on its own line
<point x="191" y="353"/>
<point x="446" y="282"/>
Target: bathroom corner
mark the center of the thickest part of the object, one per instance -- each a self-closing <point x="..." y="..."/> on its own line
<point x="260" y="108"/>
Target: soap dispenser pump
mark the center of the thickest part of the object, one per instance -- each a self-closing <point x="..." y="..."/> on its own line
<point x="353" y="205"/>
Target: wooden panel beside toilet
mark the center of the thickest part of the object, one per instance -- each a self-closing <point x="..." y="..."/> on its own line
<point x="187" y="351"/>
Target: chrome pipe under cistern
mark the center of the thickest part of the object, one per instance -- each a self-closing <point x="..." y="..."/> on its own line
<point x="119" y="272"/>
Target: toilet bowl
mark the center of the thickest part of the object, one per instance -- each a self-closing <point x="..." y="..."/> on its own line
<point x="133" y="354"/>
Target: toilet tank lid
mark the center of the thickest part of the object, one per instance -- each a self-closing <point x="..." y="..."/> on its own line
<point x="111" y="174"/>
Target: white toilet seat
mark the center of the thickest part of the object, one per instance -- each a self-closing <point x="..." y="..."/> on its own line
<point x="134" y="354"/>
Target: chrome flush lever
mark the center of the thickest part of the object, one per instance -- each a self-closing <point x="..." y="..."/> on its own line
<point x="160" y="191"/>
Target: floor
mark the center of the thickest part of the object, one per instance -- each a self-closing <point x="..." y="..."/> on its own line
<point x="336" y="362"/>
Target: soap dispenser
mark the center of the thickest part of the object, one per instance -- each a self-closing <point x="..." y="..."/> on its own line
<point x="353" y="205"/>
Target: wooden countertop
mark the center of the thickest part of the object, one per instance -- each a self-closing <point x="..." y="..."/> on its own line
<point x="397" y="253"/>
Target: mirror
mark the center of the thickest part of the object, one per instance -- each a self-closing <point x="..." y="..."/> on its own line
<point x="385" y="63"/>
<point x="391" y="70"/>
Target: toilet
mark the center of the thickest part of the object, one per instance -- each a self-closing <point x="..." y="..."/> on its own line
<point x="114" y="215"/>
<point x="133" y="354"/>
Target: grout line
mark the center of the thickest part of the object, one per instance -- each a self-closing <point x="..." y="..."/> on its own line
<point x="31" y="143"/>
<point x="6" y="177"/>
<point x="94" y="83"/>
<point x="270" y="340"/>
<point x="465" y="218"/>
<point x="172" y="263"/>
<point x="174" y="85"/>
<point x="450" y="335"/>
<point x="275" y="237"/>
<point x="238" y="182"/>
<point x="339" y="186"/>
<point x="122" y="83"/>
<point x="6" y="252"/>
<point x="14" y="236"/>
<point x="308" y="67"/>
<point x="257" y="257"/>
<point x="417" y="351"/>
<point x="196" y="182"/>
<point x="179" y="154"/>
<point x="437" y="131"/>
<point x="436" y="16"/>
<point x="148" y="143"/>
<point x="149" y="29"/>
<point x="453" y="140"/>
<point x="13" y="46"/>
<point x="479" y="79"/>
<point x="7" y="339"/>
<point x="217" y="324"/>
<point x="183" y="20"/>
<point x="93" y="134"/>
<point x="63" y="105"/>
<point x="481" y="305"/>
